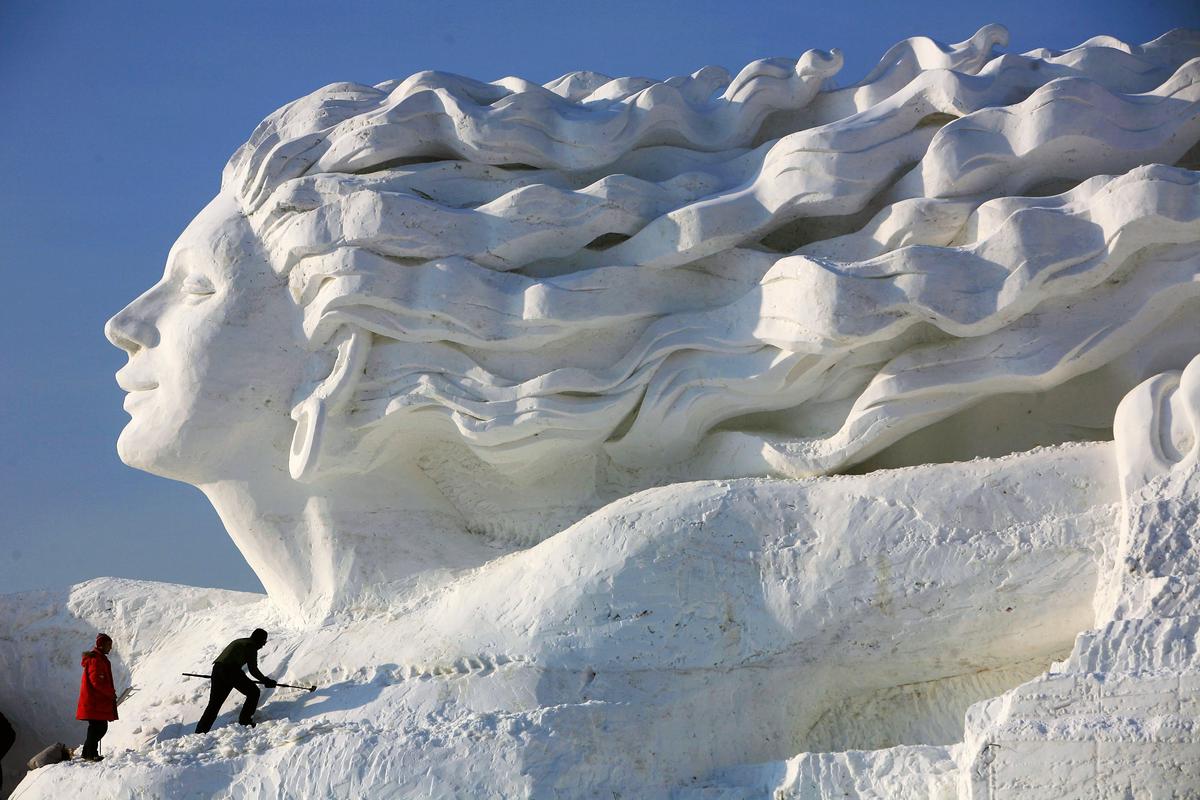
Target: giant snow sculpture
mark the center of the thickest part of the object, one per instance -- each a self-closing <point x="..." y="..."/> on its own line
<point x="571" y="415"/>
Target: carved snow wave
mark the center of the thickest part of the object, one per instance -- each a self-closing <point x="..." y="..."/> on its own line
<point x="1068" y="129"/>
<point x="580" y="121"/>
<point x="838" y="168"/>
<point x="633" y="264"/>
<point x="1074" y="248"/>
<point x="585" y="120"/>
<point x="809" y="326"/>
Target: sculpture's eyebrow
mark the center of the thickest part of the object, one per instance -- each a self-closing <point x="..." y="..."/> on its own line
<point x="182" y="260"/>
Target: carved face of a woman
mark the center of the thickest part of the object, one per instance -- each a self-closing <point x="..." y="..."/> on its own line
<point x="215" y="355"/>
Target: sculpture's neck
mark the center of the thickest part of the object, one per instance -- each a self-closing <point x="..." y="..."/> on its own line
<point x="343" y="543"/>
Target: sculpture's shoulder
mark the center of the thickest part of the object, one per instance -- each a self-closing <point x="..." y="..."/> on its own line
<point x="667" y="527"/>
<point x="663" y="574"/>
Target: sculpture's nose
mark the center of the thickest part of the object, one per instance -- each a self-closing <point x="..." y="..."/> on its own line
<point x="130" y="330"/>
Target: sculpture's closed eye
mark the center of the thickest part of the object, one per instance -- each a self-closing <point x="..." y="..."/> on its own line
<point x="198" y="286"/>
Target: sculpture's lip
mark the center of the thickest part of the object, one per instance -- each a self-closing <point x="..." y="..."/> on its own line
<point x="135" y="386"/>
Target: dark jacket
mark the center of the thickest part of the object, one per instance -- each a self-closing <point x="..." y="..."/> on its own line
<point x="97" y="697"/>
<point x="241" y="653"/>
<point x="7" y="735"/>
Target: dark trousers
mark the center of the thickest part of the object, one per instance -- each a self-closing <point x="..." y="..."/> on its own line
<point x="224" y="680"/>
<point x="96" y="730"/>
<point x="7" y="737"/>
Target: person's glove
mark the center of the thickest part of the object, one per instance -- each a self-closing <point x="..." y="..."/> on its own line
<point x="269" y="683"/>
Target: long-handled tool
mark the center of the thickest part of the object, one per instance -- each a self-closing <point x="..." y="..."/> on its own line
<point x="282" y="685"/>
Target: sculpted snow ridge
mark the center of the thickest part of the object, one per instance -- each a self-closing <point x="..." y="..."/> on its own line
<point x="624" y="304"/>
<point x="972" y="293"/>
<point x="577" y="122"/>
<point x="804" y="319"/>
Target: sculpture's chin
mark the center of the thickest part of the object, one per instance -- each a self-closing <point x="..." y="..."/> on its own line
<point x="134" y="453"/>
<point x="157" y="453"/>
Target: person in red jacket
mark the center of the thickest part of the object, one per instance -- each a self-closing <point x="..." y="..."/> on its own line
<point x="97" y="697"/>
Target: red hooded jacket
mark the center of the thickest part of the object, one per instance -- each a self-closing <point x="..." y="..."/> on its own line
<point x="97" y="697"/>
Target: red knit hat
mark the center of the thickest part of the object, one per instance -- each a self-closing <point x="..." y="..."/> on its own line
<point x="103" y="639"/>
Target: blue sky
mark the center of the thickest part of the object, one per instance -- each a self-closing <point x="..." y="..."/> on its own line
<point x="119" y="116"/>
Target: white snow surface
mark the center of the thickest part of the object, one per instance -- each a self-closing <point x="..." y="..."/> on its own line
<point x="611" y="676"/>
<point x="602" y="660"/>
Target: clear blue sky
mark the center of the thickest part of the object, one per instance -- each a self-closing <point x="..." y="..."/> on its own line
<point x="117" y="119"/>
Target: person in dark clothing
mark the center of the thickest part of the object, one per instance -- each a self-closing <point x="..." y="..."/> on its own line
<point x="227" y="675"/>
<point x="97" y="696"/>
<point x="7" y="737"/>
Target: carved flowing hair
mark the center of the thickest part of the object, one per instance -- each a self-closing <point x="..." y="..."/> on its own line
<point x="752" y="274"/>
